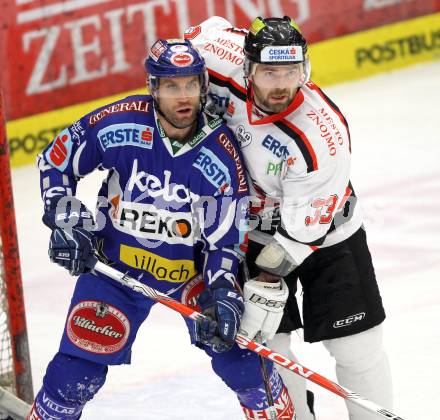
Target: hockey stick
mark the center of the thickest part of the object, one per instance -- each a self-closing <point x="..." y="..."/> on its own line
<point x="244" y="273"/>
<point x="16" y="408"/>
<point x="266" y="380"/>
<point x="243" y="341"/>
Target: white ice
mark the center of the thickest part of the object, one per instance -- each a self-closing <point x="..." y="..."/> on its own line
<point x="394" y="120"/>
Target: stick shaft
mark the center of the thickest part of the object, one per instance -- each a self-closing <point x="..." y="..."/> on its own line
<point x="266" y="380"/>
<point x="269" y="395"/>
<point x="243" y="341"/>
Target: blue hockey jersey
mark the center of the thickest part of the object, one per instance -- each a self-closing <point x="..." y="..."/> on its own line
<point x="166" y="211"/>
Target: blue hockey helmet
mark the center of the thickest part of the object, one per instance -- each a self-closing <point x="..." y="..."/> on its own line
<point x="175" y="58"/>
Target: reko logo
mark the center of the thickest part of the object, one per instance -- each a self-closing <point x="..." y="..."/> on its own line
<point x="157" y="224"/>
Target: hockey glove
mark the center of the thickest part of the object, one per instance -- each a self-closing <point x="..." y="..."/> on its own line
<point x="223" y="308"/>
<point x="71" y="243"/>
<point x="72" y="248"/>
<point x="264" y="304"/>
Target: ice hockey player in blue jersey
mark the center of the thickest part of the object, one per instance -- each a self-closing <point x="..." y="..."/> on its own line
<point x="172" y="212"/>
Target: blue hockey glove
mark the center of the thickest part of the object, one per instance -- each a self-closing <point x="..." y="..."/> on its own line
<point x="72" y="248"/>
<point x="71" y="243"/>
<point x="224" y="308"/>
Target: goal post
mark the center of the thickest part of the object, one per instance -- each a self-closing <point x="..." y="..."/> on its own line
<point x="15" y="367"/>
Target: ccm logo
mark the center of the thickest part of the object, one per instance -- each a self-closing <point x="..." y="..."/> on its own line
<point x="260" y="300"/>
<point x="349" y="320"/>
<point x="389" y="415"/>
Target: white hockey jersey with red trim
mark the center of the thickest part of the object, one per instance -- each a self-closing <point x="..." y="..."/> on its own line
<point x="298" y="160"/>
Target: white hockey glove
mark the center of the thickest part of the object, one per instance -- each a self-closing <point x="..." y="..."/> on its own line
<point x="263" y="308"/>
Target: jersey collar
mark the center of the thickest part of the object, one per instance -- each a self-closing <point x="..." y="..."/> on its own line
<point x="204" y="128"/>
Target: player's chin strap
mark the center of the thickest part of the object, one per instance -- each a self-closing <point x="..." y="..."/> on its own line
<point x="243" y="341"/>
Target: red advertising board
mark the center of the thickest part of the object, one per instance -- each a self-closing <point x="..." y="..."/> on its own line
<point x="56" y="53"/>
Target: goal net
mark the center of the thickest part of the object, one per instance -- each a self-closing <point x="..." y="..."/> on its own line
<point x="15" y="372"/>
<point x="7" y="377"/>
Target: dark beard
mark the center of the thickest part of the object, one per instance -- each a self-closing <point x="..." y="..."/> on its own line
<point x="274" y="108"/>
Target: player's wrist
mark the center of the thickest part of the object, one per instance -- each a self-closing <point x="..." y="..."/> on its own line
<point x="266" y="277"/>
<point x="223" y="308"/>
<point x="67" y="212"/>
<point x="275" y="260"/>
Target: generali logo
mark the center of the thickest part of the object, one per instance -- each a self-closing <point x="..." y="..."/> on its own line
<point x="229" y="147"/>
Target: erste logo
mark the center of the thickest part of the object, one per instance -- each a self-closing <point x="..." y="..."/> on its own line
<point x="60" y="151"/>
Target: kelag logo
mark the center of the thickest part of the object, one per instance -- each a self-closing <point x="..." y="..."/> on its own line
<point x="159" y="186"/>
<point x="126" y="135"/>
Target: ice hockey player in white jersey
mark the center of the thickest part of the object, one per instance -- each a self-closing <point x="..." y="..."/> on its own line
<point x="306" y="219"/>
